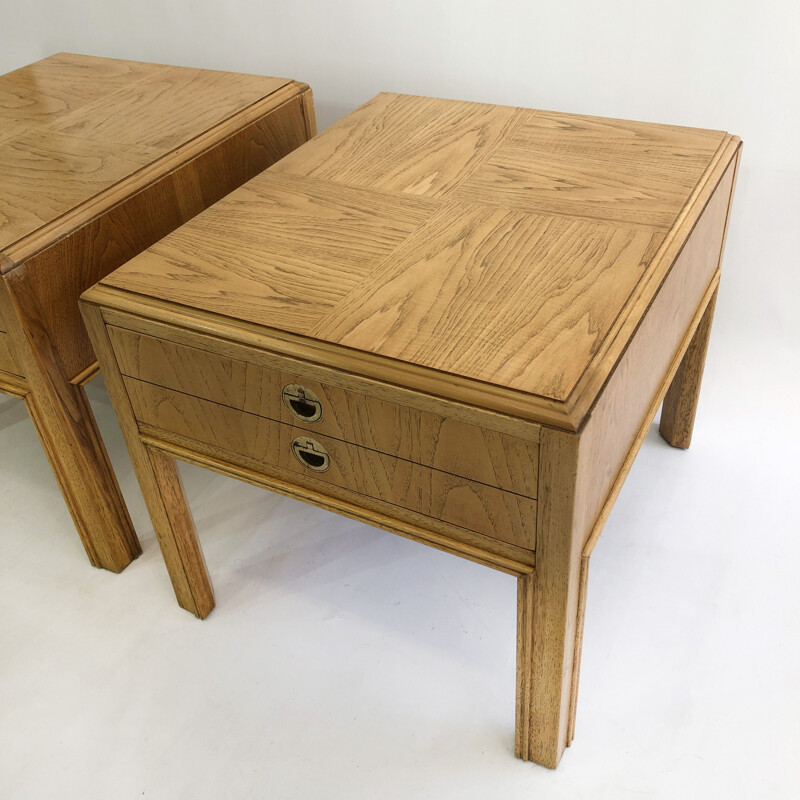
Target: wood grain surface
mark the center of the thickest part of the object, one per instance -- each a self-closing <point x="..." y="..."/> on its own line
<point x="434" y="493"/>
<point x="83" y="123"/>
<point x="161" y="489"/>
<point x="464" y="265"/>
<point x="65" y="267"/>
<point x="475" y="245"/>
<point x="674" y="329"/>
<point x="680" y="403"/>
<point x="629" y="397"/>
<point x="8" y="362"/>
<point x="302" y="247"/>
<point x="593" y="168"/>
<point x="69" y="435"/>
<point x="481" y="454"/>
<point x="403" y="145"/>
<point x="478" y="262"/>
<point x="548" y="619"/>
<point x="508" y="558"/>
<point x="98" y="159"/>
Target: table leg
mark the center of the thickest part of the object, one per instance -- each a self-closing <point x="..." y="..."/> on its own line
<point x="547" y="608"/>
<point x="68" y="432"/>
<point x="680" y="402"/>
<point x="67" y="429"/>
<point x="177" y="537"/>
<point x="160" y="484"/>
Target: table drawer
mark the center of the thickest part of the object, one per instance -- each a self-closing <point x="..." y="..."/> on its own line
<point x="491" y="457"/>
<point x="7" y="361"/>
<point x="434" y="493"/>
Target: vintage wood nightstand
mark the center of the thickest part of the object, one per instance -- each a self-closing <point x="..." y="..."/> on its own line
<point x="99" y="159"/>
<point x="454" y="321"/>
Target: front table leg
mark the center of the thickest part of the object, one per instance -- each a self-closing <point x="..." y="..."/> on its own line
<point x="547" y="607"/>
<point x="680" y="402"/>
<point x="160" y="484"/>
<point x="176" y="533"/>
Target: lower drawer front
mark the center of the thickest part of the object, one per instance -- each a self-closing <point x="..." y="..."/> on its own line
<point x="490" y="457"/>
<point x="7" y="361"/>
<point x="483" y="509"/>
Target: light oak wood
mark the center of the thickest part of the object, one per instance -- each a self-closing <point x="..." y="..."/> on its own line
<point x="608" y="356"/>
<point x="464" y="266"/>
<point x="680" y="403"/>
<point x="572" y="166"/>
<point x="530" y="275"/>
<point x="98" y="204"/>
<point x="98" y="159"/>
<point x="502" y="556"/>
<point x="181" y="551"/>
<point x="13" y="385"/>
<point x="444" y="443"/>
<point x="8" y="363"/>
<point x="434" y="493"/>
<point x="555" y="601"/>
<point x="331" y="236"/>
<point x="177" y="536"/>
<point x="68" y="432"/>
<point x="630" y="395"/>
<point x="161" y="488"/>
<point x="622" y="416"/>
<point x="406" y="146"/>
<point x="309" y="115"/>
<point x="61" y="270"/>
<point x="244" y="341"/>
<point x="109" y="119"/>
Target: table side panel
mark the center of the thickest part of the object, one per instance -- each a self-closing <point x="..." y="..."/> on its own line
<point x="632" y="391"/>
<point x="61" y="272"/>
<point x="469" y="451"/>
<point x="433" y="493"/>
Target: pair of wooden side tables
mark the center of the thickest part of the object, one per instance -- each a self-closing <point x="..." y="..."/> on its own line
<point x="454" y="321"/>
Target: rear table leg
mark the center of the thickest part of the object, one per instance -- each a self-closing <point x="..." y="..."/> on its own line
<point x="680" y="402"/>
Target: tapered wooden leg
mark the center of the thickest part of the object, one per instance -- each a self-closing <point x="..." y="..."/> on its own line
<point x="160" y="484"/>
<point x="680" y="402"/>
<point x="547" y="608"/>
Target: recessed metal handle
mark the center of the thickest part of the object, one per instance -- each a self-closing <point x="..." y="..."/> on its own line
<point x="310" y="453"/>
<point x="302" y="402"/>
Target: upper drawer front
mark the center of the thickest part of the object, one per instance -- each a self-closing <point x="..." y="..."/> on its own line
<point x="494" y="458"/>
<point x="7" y="361"/>
<point x="453" y="499"/>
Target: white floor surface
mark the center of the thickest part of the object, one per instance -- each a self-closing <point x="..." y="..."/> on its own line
<point x="345" y="662"/>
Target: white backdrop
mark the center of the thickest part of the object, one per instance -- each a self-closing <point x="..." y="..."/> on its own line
<point x="727" y="64"/>
<point x="692" y="652"/>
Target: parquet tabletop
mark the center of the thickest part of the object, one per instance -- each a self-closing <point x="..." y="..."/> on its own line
<point x="473" y="243"/>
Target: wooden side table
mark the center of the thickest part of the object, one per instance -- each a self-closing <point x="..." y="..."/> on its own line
<point x="454" y="321"/>
<point x="99" y="159"/>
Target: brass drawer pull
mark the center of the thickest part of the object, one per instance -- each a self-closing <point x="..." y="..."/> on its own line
<point x="311" y="454"/>
<point x="302" y="402"/>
